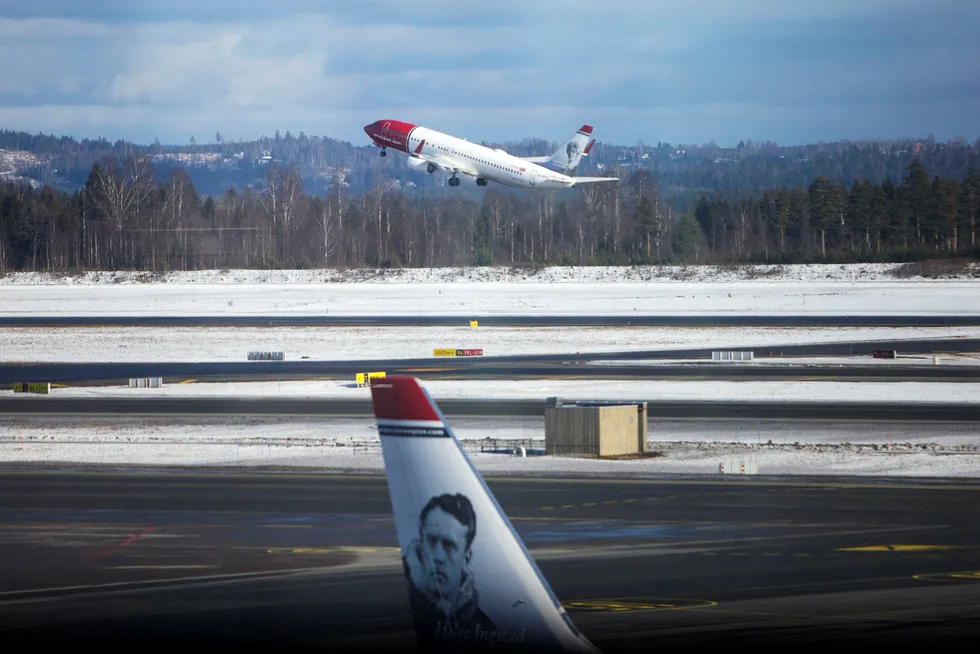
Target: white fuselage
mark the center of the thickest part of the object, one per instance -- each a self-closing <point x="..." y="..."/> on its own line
<point x="493" y="165"/>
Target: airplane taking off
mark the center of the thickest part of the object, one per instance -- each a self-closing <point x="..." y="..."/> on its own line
<point x="430" y="150"/>
<point x="471" y="582"/>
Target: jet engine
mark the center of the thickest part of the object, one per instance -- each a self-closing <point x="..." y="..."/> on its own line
<point x="416" y="163"/>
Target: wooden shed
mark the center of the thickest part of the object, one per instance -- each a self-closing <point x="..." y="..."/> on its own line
<point x="595" y="429"/>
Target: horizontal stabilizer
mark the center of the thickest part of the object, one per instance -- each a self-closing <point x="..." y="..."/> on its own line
<point x="471" y="582"/>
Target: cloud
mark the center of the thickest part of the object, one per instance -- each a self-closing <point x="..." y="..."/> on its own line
<point x="637" y="69"/>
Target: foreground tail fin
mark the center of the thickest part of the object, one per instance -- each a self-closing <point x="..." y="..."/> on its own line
<point x="471" y="581"/>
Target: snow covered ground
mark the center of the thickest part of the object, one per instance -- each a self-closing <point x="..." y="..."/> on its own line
<point x="121" y="344"/>
<point x="686" y="447"/>
<point x="571" y="389"/>
<point x="867" y="272"/>
<point x="689" y="447"/>
<point x="802" y="290"/>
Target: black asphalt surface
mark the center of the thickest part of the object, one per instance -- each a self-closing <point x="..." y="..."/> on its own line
<point x="105" y="374"/>
<point x="47" y="405"/>
<point x="697" y="320"/>
<point x="531" y="366"/>
<point x="295" y="561"/>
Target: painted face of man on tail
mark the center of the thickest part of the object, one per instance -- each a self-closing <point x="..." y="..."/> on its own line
<point x="438" y="561"/>
<point x="445" y="553"/>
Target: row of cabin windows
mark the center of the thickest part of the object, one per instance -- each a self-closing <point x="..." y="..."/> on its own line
<point x="451" y="151"/>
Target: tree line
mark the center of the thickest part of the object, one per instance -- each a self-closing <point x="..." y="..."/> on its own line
<point x="126" y="218"/>
<point x="684" y="172"/>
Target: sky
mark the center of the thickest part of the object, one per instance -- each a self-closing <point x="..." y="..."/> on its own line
<point x="677" y="71"/>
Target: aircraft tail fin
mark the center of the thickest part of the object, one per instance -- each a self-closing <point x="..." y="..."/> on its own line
<point x="569" y="155"/>
<point x="471" y="581"/>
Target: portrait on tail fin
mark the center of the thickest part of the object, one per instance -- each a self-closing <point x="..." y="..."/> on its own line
<point x="442" y="588"/>
<point x="573" y="151"/>
<point x="470" y="581"/>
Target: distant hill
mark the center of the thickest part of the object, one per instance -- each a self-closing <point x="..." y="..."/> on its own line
<point x="684" y="172"/>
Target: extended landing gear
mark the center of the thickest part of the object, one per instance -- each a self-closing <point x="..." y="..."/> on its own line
<point x="454" y="181"/>
<point x="480" y="181"/>
<point x="432" y="168"/>
<point x="383" y="152"/>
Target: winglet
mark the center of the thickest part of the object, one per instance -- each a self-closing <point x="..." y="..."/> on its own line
<point x="471" y="582"/>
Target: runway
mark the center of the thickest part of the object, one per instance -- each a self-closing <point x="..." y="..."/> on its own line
<point x="533" y="366"/>
<point x="114" y="374"/>
<point x="490" y="408"/>
<point x="697" y="320"/>
<point x="293" y="561"/>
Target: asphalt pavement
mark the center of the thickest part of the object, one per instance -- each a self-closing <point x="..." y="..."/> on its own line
<point x="535" y="366"/>
<point x="295" y="561"/>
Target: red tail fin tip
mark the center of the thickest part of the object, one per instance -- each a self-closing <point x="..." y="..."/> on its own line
<point x="401" y="398"/>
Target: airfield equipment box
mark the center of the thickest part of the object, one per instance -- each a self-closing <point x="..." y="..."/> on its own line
<point x="596" y="429"/>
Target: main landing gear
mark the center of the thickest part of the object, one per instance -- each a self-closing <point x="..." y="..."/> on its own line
<point x="383" y="152"/>
<point x="454" y="181"/>
<point x="480" y="181"/>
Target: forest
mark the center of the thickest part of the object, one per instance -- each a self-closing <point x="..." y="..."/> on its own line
<point x="127" y="216"/>
<point x="684" y="172"/>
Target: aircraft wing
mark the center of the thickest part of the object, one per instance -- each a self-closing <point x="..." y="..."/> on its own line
<point x="588" y="180"/>
<point x="537" y="159"/>
<point x="456" y="541"/>
<point x="448" y="164"/>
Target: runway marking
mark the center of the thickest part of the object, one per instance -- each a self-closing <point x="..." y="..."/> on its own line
<point x="739" y="483"/>
<point x="971" y="575"/>
<point x="143" y="585"/>
<point x="129" y="540"/>
<point x="635" y="604"/>
<point x="285" y="526"/>
<point x="427" y="369"/>
<point x="775" y="615"/>
<point x="900" y="548"/>
<point x="160" y="567"/>
<point x="330" y="550"/>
